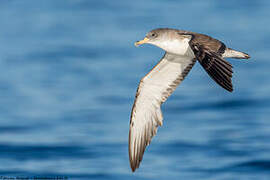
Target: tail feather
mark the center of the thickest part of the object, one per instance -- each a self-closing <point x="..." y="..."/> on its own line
<point x="231" y="53"/>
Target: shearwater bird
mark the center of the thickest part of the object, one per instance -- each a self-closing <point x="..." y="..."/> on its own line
<point x="182" y="49"/>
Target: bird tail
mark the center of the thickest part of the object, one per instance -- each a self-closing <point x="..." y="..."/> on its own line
<point x="231" y="53"/>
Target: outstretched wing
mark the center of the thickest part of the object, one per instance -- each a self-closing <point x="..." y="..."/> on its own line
<point x="218" y="68"/>
<point x="153" y="90"/>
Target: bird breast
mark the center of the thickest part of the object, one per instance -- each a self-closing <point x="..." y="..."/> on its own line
<point x="177" y="46"/>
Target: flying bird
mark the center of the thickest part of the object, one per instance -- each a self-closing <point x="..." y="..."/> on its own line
<point x="182" y="50"/>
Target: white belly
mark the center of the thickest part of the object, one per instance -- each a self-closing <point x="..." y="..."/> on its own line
<point x="179" y="47"/>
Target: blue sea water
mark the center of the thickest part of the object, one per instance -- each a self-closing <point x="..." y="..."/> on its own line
<point x="69" y="73"/>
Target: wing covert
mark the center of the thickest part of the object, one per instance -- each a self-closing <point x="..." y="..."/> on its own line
<point x="217" y="68"/>
<point x="153" y="90"/>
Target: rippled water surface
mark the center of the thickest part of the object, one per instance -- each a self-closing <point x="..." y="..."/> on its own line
<point x="69" y="73"/>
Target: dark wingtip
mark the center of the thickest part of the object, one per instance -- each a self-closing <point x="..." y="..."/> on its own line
<point x="133" y="167"/>
<point x="230" y="90"/>
<point x="247" y="56"/>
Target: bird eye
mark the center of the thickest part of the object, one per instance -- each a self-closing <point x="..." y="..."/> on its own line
<point x="152" y="35"/>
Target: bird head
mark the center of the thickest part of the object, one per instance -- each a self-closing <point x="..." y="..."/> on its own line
<point x="151" y="37"/>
